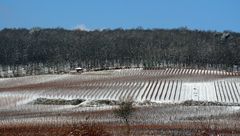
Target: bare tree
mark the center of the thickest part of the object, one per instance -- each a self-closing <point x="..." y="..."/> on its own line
<point x="124" y="111"/>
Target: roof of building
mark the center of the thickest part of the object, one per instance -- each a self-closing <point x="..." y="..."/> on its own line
<point x="78" y="68"/>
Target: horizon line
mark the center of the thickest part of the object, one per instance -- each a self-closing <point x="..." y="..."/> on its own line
<point x="122" y="28"/>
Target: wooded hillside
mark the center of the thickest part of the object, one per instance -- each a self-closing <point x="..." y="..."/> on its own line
<point x="119" y="47"/>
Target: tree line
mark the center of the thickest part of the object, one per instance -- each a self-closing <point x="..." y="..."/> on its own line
<point x="119" y="47"/>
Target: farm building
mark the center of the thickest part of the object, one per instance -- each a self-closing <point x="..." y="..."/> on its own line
<point x="79" y="70"/>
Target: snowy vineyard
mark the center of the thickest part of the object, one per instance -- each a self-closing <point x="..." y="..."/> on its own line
<point x="162" y="86"/>
<point x="143" y="86"/>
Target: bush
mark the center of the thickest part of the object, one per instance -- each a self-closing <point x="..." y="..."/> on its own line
<point x="89" y="130"/>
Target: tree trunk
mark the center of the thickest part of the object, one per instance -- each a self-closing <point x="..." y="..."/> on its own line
<point x="128" y="127"/>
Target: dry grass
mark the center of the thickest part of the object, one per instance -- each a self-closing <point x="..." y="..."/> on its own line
<point x="47" y="130"/>
<point x="93" y="129"/>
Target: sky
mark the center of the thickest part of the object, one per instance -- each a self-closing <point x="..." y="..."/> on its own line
<point x="214" y="15"/>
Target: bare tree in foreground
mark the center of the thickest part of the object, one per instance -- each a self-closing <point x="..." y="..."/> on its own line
<point x="124" y="111"/>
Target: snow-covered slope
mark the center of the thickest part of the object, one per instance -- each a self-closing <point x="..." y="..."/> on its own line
<point x="162" y="86"/>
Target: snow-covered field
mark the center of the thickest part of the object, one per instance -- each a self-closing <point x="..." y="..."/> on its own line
<point x="169" y="86"/>
<point x="162" y="86"/>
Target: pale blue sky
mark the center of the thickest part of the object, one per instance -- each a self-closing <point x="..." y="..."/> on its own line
<point x="98" y="14"/>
